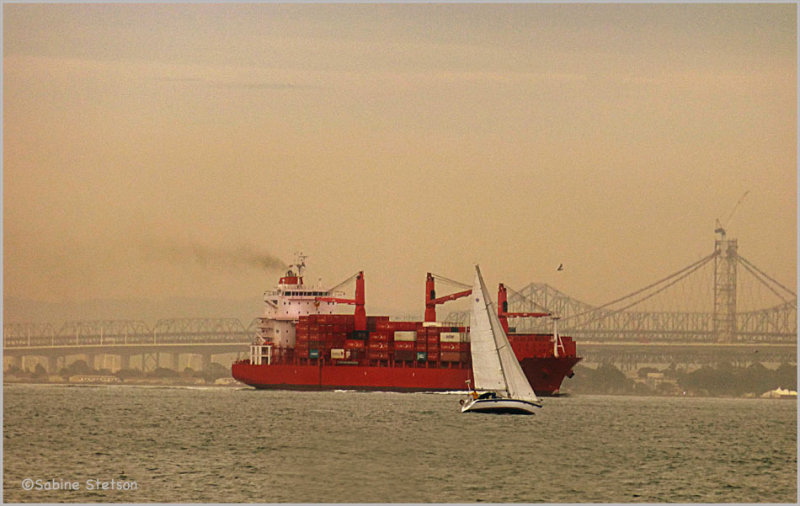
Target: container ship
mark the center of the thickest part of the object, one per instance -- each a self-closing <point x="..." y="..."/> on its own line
<point x="303" y="343"/>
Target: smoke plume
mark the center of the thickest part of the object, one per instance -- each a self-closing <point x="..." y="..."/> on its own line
<point x="218" y="257"/>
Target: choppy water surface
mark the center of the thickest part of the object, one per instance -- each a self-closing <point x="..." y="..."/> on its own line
<point x="243" y="445"/>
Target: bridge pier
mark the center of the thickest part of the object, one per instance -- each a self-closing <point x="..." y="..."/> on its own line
<point x="109" y="361"/>
<point x="92" y="360"/>
<point x="198" y="361"/>
<point x="52" y="364"/>
<point x="10" y="361"/>
<point x="124" y="361"/>
<point x="149" y="361"/>
<point x="170" y="361"/>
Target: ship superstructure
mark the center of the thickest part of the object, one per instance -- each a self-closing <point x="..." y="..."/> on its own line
<point x="290" y="300"/>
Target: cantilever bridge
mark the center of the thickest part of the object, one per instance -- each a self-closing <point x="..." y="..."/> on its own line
<point x="720" y="299"/>
<point x="160" y="346"/>
<point x="721" y="307"/>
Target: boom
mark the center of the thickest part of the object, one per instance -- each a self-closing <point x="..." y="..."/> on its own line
<point x="502" y="309"/>
<point x="359" y="301"/>
<point x="431" y="300"/>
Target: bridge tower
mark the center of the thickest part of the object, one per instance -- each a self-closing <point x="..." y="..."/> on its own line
<point x="725" y="261"/>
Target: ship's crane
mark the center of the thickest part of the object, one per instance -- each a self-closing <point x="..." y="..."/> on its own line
<point x="360" y="322"/>
<point x="431" y="300"/>
<point x="502" y="303"/>
<point x="503" y="315"/>
<point x="502" y="309"/>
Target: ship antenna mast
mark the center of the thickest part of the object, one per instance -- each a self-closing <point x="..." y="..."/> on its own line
<point x="299" y="262"/>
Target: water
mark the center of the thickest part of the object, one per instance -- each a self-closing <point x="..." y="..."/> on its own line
<point x="241" y="445"/>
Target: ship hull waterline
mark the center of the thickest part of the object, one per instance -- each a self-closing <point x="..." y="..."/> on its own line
<point x="545" y="375"/>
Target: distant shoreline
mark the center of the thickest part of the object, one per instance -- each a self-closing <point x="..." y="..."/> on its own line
<point x="229" y="382"/>
<point x="232" y="383"/>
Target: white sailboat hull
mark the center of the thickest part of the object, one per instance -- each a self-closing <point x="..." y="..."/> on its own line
<point x="500" y="406"/>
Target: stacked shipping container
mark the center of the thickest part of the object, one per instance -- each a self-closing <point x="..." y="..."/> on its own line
<point x="333" y="338"/>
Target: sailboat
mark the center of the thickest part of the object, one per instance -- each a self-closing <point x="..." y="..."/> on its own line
<point x="495" y="368"/>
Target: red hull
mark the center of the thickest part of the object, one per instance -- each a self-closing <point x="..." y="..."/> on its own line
<point x="545" y="375"/>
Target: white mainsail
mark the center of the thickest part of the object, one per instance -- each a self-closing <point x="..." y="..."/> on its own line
<point x="494" y="365"/>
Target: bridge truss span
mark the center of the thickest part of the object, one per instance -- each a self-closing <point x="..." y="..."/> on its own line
<point x="201" y="330"/>
<point x="647" y="315"/>
<point x="92" y="333"/>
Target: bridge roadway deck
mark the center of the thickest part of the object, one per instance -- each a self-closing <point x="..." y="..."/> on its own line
<point x="625" y="355"/>
<point x="115" y="349"/>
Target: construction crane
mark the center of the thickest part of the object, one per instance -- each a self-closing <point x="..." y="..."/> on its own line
<point x="721" y="226"/>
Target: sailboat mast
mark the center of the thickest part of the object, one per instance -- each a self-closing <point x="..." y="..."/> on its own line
<point x="492" y="316"/>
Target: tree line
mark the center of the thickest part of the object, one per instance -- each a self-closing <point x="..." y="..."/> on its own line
<point x="724" y="379"/>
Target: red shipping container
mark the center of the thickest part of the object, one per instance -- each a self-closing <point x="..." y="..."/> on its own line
<point x="378" y="355"/>
<point x="450" y="346"/>
<point x="433" y="356"/>
<point x="405" y="326"/>
<point x="372" y="322"/>
<point x="404" y="345"/>
<point x="354" y="344"/>
<point x="382" y="337"/>
<point x="450" y="356"/>
<point x="405" y="355"/>
<point x="378" y="346"/>
<point x="385" y="325"/>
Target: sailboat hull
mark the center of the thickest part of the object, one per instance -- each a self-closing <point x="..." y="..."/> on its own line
<point x="500" y="406"/>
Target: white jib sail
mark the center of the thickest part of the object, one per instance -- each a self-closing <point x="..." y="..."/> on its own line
<point x="494" y="364"/>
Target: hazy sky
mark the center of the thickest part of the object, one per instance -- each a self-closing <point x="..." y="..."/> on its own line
<point x="143" y="142"/>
